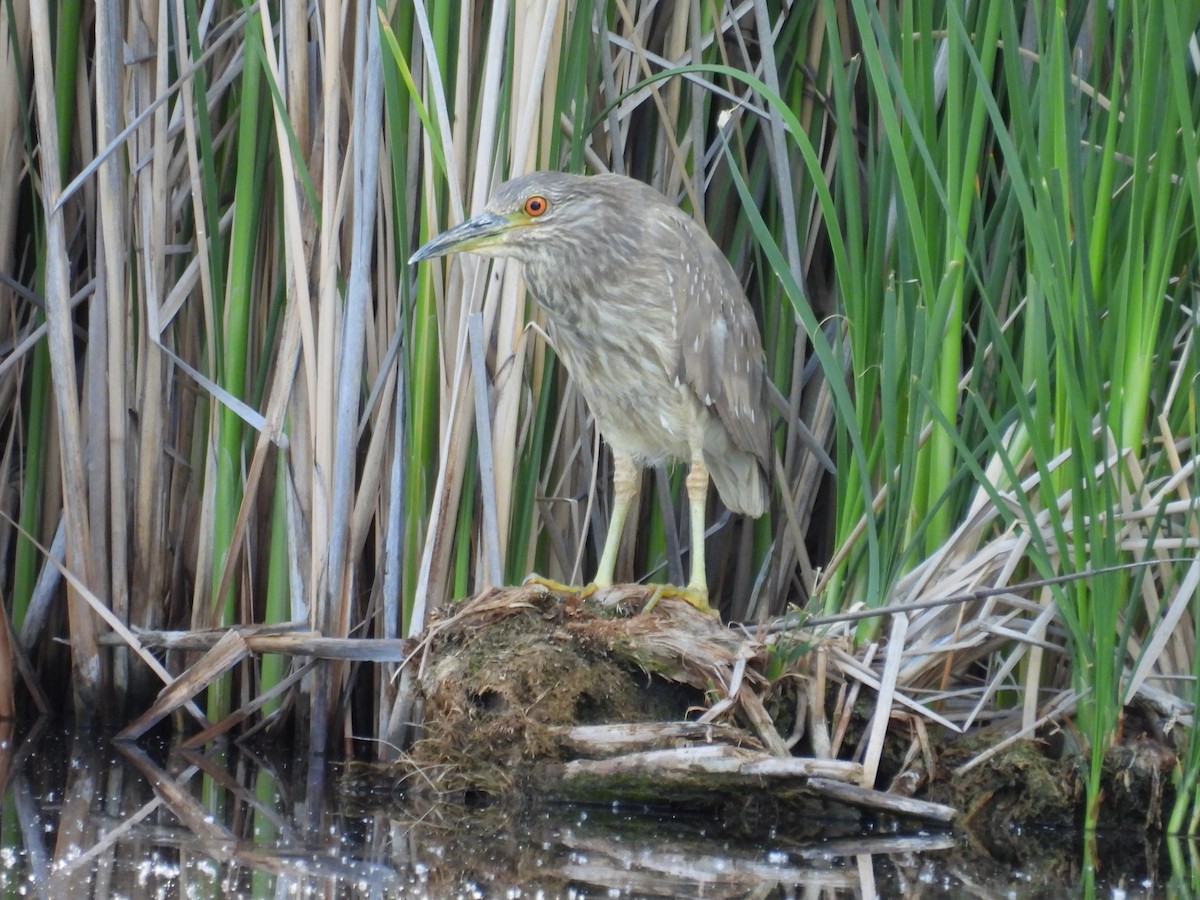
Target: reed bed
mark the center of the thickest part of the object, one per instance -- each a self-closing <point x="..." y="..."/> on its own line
<point x="969" y="236"/>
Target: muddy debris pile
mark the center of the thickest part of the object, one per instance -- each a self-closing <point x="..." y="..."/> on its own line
<point x="532" y="691"/>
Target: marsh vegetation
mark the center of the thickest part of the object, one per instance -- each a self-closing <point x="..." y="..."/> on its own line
<point x="969" y="234"/>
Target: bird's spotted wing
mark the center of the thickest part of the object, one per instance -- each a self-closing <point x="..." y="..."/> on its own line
<point x="720" y="350"/>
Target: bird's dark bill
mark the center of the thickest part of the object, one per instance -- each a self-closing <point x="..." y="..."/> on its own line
<point x="477" y="233"/>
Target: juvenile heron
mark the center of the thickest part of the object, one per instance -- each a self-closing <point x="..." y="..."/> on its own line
<point x="653" y="325"/>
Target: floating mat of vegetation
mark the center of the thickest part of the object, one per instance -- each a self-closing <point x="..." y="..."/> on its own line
<point x="531" y="693"/>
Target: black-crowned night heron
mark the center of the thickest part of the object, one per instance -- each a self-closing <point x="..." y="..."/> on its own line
<point x="654" y="327"/>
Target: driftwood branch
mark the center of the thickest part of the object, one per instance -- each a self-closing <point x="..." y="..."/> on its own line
<point x="272" y="640"/>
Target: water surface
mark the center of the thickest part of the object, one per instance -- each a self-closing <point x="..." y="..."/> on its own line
<point x="83" y="817"/>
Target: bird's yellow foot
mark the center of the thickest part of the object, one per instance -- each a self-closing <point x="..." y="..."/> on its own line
<point x="559" y="587"/>
<point x="697" y="596"/>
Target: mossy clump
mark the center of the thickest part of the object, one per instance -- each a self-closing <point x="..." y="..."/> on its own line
<point x="500" y="686"/>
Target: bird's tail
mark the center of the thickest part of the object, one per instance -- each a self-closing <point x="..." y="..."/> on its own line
<point x="739" y="478"/>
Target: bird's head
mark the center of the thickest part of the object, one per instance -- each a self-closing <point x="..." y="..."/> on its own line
<point x="529" y="218"/>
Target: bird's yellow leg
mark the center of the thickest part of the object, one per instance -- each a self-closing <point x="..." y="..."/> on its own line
<point x="625" y="489"/>
<point x="696" y="592"/>
<point x="697" y="490"/>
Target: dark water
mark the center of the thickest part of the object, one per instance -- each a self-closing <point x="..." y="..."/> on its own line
<point x="85" y="818"/>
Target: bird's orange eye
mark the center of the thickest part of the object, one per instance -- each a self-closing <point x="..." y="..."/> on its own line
<point x="536" y="206"/>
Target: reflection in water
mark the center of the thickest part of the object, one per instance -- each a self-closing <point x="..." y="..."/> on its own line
<point x="85" y="818"/>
